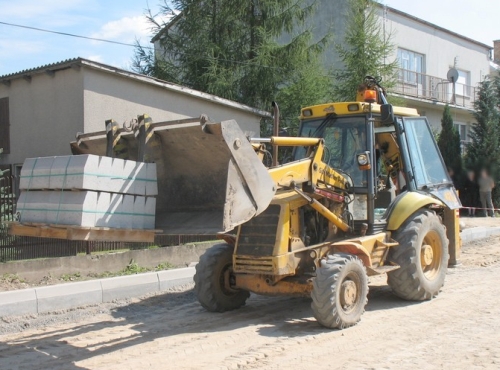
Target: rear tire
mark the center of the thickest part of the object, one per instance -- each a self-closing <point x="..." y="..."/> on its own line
<point x="339" y="291"/>
<point x="422" y="254"/>
<point x="212" y="277"/>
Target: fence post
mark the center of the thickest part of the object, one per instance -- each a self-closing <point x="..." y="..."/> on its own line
<point x="88" y="247"/>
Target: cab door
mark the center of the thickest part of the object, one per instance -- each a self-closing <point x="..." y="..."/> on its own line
<point x="426" y="169"/>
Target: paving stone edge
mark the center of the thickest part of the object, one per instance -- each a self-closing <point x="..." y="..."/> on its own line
<point x="70" y="295"/>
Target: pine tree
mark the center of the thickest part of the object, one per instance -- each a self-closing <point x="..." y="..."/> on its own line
<point x="307" y="87"/>
<point x="231" y="49"/>
<point x="484" y="151"/>
<point x="449" y="143"/>
<point x="364" y="51"/>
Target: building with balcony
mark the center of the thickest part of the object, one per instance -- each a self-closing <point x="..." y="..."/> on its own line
<point x="426" y="52"/>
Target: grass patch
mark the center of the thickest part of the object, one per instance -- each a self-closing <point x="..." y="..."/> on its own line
<point x="133" y="268"/>
<point x="71" y="277"/>
<point x="12" y="278"/>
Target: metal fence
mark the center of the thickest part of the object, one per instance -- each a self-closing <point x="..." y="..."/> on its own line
<point x="422" y="86"/>
<point x="7" y="198"/>
<point x="14" y="248"/>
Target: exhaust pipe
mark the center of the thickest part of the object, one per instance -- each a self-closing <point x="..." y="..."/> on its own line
<point x="276" y="131"/>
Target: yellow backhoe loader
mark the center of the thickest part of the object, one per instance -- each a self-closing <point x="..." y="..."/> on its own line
<point x="365" y="193"/>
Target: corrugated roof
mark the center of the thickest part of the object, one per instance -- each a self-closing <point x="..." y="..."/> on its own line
<point x="51" y="67"/>
<point x="79" y="62"/>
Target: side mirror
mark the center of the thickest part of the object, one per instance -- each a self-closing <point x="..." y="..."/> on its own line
<point x="386" y="114"/>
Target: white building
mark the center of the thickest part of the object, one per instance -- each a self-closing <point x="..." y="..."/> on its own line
<point x="43" y="108"/>
<point x="425" y="52"/>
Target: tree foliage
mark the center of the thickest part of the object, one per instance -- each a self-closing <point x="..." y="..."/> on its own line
<point x="248" y="51"/>
<point x="484" y="151"/>
<point x="364" y="51"/>
<point x="449" y="143"/>
<point x="307" y="86"/>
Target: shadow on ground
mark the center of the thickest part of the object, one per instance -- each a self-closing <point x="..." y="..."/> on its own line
<point x="172" y="314"/>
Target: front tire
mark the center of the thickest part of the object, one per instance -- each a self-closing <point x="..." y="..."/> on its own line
<point x="422" y="254"/>
<point x="339" y="291"/>
<point x="211" y="280"/>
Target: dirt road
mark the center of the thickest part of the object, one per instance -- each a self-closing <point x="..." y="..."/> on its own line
<point x="460" y="329"/>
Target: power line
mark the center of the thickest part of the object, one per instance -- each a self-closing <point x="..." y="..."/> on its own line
<point x="73" y="35"/>
<point x="127" y="44"/>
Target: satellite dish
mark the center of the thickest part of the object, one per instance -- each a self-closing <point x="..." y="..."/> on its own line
<point x="452" y="75"/>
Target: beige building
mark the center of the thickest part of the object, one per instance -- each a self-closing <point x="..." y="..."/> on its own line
<point x="42" y="109"/>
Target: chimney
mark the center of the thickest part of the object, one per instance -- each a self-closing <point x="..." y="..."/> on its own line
<point x="496" y="51"/>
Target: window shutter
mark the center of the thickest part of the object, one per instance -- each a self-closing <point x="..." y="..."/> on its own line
<point x="4" y="125"/>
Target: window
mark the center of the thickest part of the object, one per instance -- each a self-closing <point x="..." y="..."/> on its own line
<point x="427" y="165"/>
<point x="345" y="138"/>
<point x="4" y="125"/>
<point x="462" y="130"/>
<point x="462" y="87"/>
<point x="412" y="66"/>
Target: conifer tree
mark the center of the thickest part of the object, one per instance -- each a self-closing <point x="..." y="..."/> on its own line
<point x="247" y="51"/>
<point x="449" y="143"/>
<point x="364" y="51"/>
<point x="484" y="151"/>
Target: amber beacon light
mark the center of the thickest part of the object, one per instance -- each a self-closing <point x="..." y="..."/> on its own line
<point x="370" y="96"/>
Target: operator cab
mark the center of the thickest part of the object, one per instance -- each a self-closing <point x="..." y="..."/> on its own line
<point x="396" y="142"/>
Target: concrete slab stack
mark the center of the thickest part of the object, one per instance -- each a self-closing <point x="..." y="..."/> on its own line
<point x="88" y="190"/>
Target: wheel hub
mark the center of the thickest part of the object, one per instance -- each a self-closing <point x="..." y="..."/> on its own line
<point x="348" y="293"/>
<point x="427" y="255"/>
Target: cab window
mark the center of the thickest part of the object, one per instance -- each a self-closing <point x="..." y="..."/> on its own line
<point x="427" y="165"/>
<point x="345" y="138"/>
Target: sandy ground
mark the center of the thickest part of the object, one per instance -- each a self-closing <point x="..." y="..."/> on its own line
<point x="460" y="329"/>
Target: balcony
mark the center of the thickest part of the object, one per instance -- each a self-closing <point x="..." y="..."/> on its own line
<point x="434" y="89"/>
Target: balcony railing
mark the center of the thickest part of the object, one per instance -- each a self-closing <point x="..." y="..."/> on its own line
<point x="436" y="89"/>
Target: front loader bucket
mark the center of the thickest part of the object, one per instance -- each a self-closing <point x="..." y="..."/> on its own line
<point x="209" y="176"/>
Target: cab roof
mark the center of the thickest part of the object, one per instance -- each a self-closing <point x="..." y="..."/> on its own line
<point x="350" y="108"/>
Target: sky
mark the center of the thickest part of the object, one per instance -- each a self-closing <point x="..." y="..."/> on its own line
<point x="124" y="21"/>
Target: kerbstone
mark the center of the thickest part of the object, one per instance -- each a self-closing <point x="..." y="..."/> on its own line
<point x="176" y="277"/>
<point x="18" y="302"/>
<point x="129" y="286"/>
<point x="41" y="173"/>
<point x="478" y="233"/>
<point x="57" y="297"/>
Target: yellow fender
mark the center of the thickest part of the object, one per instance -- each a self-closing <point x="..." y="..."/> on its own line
<point x="407" y="204"/>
